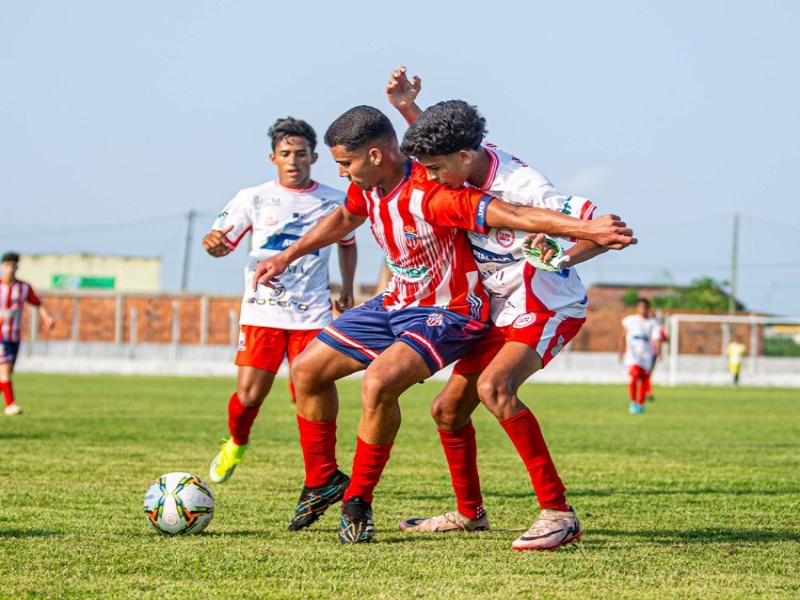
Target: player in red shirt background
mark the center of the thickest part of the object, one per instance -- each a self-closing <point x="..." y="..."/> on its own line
<point x="14" y="294"/>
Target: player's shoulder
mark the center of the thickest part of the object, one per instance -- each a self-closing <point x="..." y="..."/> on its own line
<point x="511" y="171"/>
<point x="260" y="189"/>
<point x="328" y="192"/>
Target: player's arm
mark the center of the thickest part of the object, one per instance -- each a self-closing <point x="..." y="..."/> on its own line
<point x="328" y="230"/>
<point x="45" y="316"/>
<point x="402" y="94"/>
<point x="606" y="230"/>
<point x="348" y="256"/>
<point x="621" y="345"/>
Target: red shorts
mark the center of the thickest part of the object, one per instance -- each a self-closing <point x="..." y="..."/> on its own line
<point x="265" y="348"/>
<point x="546" y="333"/>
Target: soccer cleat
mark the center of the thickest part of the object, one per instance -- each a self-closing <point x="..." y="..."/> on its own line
<point x="449" y="521"/>
<point x="225" y="462"/>
<point x="635" y="408"/>
<point x="315" y="500"/>
<point x="13" y="409"/>
<point x="356" y="525"/>
<point x="552" y="529"/>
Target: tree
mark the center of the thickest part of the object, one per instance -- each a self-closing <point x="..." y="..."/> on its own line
<point x="701" y="294"/>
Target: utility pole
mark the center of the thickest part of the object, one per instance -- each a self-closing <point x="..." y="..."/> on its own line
<point x="187" y="250"/>
<point x="734" y="265"/>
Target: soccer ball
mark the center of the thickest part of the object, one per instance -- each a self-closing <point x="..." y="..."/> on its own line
<point x="179" y="503"/>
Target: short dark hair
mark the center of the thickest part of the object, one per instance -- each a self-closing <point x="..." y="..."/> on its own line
<point x="444" y="128"/>
<point x="10" y="257"/>
<point x="358" y="127"/>
<point x="291" y="127"/>
<point x="644" y="301"/>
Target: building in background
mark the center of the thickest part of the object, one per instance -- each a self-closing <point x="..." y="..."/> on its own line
<point x="91" y="272"/>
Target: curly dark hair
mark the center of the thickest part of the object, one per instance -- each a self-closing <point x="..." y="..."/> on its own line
<point x="444" y="128"/>
<point x="10" y="257"/>
<point x="358" y="127"/>
<point x="291" y="127"/>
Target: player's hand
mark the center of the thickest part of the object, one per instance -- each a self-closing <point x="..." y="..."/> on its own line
<point x="268" y="271"/>
<point x="400" y="91"/>
<point x="610" y="231"/>
<point x="538" y="241"/>
<point x="216" y="242"/>
<point x="345" y="301"/>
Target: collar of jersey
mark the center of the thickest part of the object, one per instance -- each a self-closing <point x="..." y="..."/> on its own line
<point x="390" y="195"/>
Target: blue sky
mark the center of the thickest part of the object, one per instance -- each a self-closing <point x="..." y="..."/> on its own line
<point x="117" y="119"/>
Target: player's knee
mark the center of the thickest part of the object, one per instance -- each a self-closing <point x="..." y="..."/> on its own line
<point x="446" y="414"/>
<point x="249" y="397"/>
<point x="496" y="395"/>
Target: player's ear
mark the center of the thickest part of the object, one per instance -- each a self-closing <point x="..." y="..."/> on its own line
<point x="272" y="157"/>
<point x="465" y="156"/>
<point x="314" y="157"/>
<point x="375" y="156"/>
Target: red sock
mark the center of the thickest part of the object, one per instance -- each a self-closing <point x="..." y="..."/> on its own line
<point x="368" y="464"/>
<point x="8" y="392"/>
<point x="240" y="420"/>
<point x="632" y="388"/>
<point x="318" y="441"/>
<point x="526" y="435"/>
<point x="461" y="452"/>
<point x="644" y="383"/>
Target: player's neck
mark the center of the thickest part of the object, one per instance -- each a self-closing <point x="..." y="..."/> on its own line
<point x="479" y="171"/>
<point x="303" y="185"/>
<point x="396" y="173"/>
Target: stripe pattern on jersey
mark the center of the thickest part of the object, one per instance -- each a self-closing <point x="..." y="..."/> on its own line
<point x="12" y="300"/>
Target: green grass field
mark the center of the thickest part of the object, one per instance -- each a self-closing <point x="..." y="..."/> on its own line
<point x="699" y="497"/>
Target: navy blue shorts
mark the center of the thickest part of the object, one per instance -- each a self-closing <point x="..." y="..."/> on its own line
<point x="438" y="336"/>
<point x="8" y="352"/>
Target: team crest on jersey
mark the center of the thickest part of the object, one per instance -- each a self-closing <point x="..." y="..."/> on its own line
<point x="412" y="241"/>
<point x="278" y="290"/>
<point x="504" y="237"/>
<point x="435" y="320"/>
<point x="524" y="320"/>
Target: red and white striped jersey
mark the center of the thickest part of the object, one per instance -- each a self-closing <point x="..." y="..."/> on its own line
<point x="515" y="287"/>
<point x="278" y="216"/>
<point x="13" y="297"/>
<point x="420" y="226"/>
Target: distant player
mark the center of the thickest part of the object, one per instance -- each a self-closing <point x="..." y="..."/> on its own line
<point x="432" y="312"/>
<point x="735" y="352"/>
<point x="14" y="294"/>
<point x="534" y="314"/>
<point x="281" y="323"/>
<point x="663" y="338"/>
<point x="638" y="345"/>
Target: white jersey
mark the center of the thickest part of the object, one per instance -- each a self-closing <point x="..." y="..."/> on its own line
<point x="514" y="286"/>
<point x="641" y="337"/>
<point x="277" y="216"/>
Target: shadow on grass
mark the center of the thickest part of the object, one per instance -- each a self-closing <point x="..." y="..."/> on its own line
<point x="26" y="533"/>
<point x="488" y="493"/>
<point x="717" y="535"/>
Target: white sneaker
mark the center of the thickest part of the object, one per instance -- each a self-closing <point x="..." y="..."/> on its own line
<point x="13" y="409"/>
<point x="449" y="521"/>
<point x="552" y="529"/>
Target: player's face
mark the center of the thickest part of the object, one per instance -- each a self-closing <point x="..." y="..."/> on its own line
<point x="293" y="158"/>
<point x="9" y="270"/>
<point x="357" y="165"/>
<point x="450" y="170"/>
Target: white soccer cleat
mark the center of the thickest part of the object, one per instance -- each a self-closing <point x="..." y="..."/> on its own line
<point x="13" y="409"/>
<point x="552" y="529"/>
<point x="449" y="521"/>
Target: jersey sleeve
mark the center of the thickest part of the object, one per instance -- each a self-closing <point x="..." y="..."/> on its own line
<point x="464" y="208"/>
<point x="236" y="213"/>
<point x="356" y="201"/>
<point x="32" y="298"/>
<point x="348" y="240"/>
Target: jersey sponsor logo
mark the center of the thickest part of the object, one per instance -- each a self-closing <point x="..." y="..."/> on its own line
<point x="480" y="217"/>
<point x="524" y="320"/>
<point x="270" y="221"/>
<point x="410" y="274"/>
<point x="241" y="346"/>
<point x="290" y="304"/>
<point x="504" y="237"/>
<point x="484" y="256"/>
<point x="557" y="348"/>
<point x="281" y="241"/>
<point x="278" y="290"/>
<point x="410" y="233"/>
<point x="224" y="213"/>
<point x="261" y="201"/>
<point x="567" y="209"/>
<point x="435" y="320"/>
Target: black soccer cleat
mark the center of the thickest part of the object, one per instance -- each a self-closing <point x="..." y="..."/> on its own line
<point x="356" y="525"/>
<point x="315" y="500"/>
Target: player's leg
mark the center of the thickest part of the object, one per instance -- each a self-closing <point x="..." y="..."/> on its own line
<point x="527" y="350"/>
<point x="428" y="340"/>
<point x="451" y="410"/>
<point x="8" y="356"/>
<point x="346" y="346"/>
